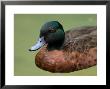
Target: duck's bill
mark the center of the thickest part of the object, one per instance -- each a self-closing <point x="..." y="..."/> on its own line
<point x="41" y="42"/>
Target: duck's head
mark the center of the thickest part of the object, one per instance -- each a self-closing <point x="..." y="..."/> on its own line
<point x="52" y="34"/>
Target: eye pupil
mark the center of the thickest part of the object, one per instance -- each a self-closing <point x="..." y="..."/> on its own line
<point x="52" y="30"/>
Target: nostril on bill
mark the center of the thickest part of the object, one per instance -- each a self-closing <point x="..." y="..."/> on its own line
<point x="38" y="44"/>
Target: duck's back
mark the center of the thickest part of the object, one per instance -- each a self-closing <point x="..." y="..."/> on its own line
<point x="80" y="39"/>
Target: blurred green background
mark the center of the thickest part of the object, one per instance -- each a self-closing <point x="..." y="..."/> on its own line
<point x="26" y="32"/>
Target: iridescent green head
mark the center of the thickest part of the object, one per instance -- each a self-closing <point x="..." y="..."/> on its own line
<point x="52" y="34"/>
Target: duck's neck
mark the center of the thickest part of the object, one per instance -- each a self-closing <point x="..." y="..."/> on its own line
<point x="55" y="46"/>
<point x="56" y="42"/>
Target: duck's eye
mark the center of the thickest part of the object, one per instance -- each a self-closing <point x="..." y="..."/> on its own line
<point x="52" y="30"/>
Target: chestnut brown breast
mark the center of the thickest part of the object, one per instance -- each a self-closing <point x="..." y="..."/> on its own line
<point x="60" y="61"/>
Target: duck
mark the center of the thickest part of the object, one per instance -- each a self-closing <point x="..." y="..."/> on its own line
<point x="62" y="51"/>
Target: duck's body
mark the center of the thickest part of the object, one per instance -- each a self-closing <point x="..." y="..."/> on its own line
<point x="77" y="51"/>
<point x="80" y="39"/>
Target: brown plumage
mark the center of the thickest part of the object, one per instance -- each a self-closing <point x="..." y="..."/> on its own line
<point x="79" y="51"/>
<point x="80" y="39"/>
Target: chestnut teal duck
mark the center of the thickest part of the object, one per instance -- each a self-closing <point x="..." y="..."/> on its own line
<point x="65" y="51"/>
